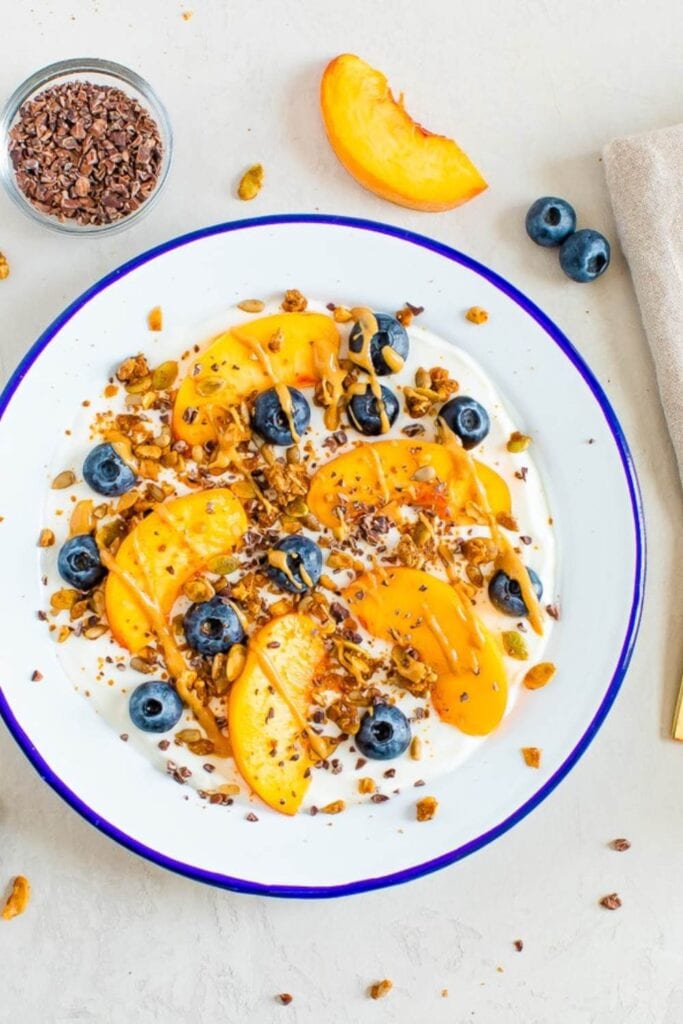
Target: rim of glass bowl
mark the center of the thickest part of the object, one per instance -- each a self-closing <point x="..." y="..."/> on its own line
<point x="78" y="69"/>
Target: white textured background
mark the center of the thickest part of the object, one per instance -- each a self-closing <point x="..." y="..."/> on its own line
<point x="532" y="90"/>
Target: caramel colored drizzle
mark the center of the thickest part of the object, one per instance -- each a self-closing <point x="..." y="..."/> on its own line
<point x="368" y="326"/>
<point x="281" y="389"/>
<point x="508" y="560"/>
<point x="437" y="632"/>
<point x="175" y="661"/>
<point x="266" y="666"/>
<point x="167" y="518"/>
<point x="332" y="377"/>
<point x="379" y="471"/>
<point x="278" y="559"/>
<point x="229" y="449"/>
<point x="393" y="360"/>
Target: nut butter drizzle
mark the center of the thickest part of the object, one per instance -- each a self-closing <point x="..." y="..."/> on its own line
<point x="175" y="660"/>
<point x="268" y="669"/>
<point x="379" y="471"/>
<point x="508" y="560"/>
<point x="281" y="389"/>
<point x="367" y="322"/>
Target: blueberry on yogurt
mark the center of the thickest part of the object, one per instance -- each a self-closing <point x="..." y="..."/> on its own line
<point x="384" y="733"/>
<point x="389" y="346"/>
<point x="155" y="707"/>
<point x="506" y="593"/>
<point x="106" y="472"/>
<point x="79" y="562"/>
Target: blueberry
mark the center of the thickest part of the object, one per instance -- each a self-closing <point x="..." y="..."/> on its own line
<point x="79" y="562"/>
<point x="155" y="707"/>
<point x="384" y="733"/>
<point x="466" y="418"/>
<point x="304" y="561"/>
<point x="364" y="411"/>
<point x="585" y="255"/>
<point x="550" y="220"/>
<point x="212" y="627"/>
<point x="506" y="593"/>
<point x="390" y="333"/>
<point x="106" y="472"/>
<point x="270" y="420"/>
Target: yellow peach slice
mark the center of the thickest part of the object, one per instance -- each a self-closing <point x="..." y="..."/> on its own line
<point x="411" y="607"/>
<point x="394" y="473"/>
<point x="268" y="710"/>
<point x="297" y="347"/>
<point x="381" y="146"/>
<point x="163" y="552"/>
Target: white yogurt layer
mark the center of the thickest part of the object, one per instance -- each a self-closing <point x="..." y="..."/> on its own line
<point x="99" y="669"/>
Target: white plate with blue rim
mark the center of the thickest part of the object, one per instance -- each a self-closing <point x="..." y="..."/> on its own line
<point x="539" y="374"/>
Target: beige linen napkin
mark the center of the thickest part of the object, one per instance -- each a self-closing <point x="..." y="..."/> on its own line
<point x="645" y="180"/>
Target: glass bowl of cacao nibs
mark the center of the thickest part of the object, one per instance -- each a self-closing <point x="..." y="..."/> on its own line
<point x="86" y="146"/>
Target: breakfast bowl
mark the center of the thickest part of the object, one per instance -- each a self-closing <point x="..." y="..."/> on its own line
<point x="66" y="697"/>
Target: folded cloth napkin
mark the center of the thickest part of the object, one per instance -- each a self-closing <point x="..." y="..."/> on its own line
<point x="645" y="181"/>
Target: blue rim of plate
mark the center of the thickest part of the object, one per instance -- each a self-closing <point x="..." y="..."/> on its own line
<point x="408" y="874"/>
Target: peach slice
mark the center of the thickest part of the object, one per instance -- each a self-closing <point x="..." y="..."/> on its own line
<point x="302" y="347"/>
<point x="434" y="618"/>
<point x="384" y="149"/>
<point x="394" y="473"/>
<point x="163" y="552"/>
<point x="268" y="709"/>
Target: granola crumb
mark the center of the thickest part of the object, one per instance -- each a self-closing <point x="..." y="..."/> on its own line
<point x="416" y="748"/>
<point x="381" y="988"/>
<point x="251" y="816"/>
<point x="476" y="315"/>
<point x="251" y="182"/>
<point x="444" y="993"/>
<point x="518" y="442"/>
<point x="336" y="807"/>
<point x="36" y="676"/>
<point x="532" y="756"/>
<point x="294" y="301"/>
<point x="18" y="899"/>
<point x="285" y="998"/>
<point x="620" y="845"/>
<point x="611" y="902"/>
<point x="426" y="808"/>
<point x="519" y="945"/>
<point x="186" y="15"/>
<point x="553" y="611"/>
<point x="46" y="538"/>
<point x="366" y="785"/>
<point x="155" y="319"/>
<point x="4" y="267"/>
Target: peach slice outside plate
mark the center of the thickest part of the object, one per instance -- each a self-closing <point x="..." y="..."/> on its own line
<point x="381" y="146"/>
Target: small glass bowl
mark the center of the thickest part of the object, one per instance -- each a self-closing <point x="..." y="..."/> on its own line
<point x="99" y="72"/>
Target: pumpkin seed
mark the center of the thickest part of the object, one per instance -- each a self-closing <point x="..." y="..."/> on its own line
<point x="223" y="565"/>
<point x="251" y="305"/>
<point x="539" y="675"/>
<point x="209" y="386"/>
<point x="514" y="645"/>
<point x="67" y="478"/>
<point x="94" y="632"/>
<point x="237" y="655"/>
<point x="82" y="519"/>
<point x="518" y="442"/>
<point x="138" y="387"/>
<point x="188" y="736"/>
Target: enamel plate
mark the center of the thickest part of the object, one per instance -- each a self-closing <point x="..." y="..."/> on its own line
<point x="549" y="391"/>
